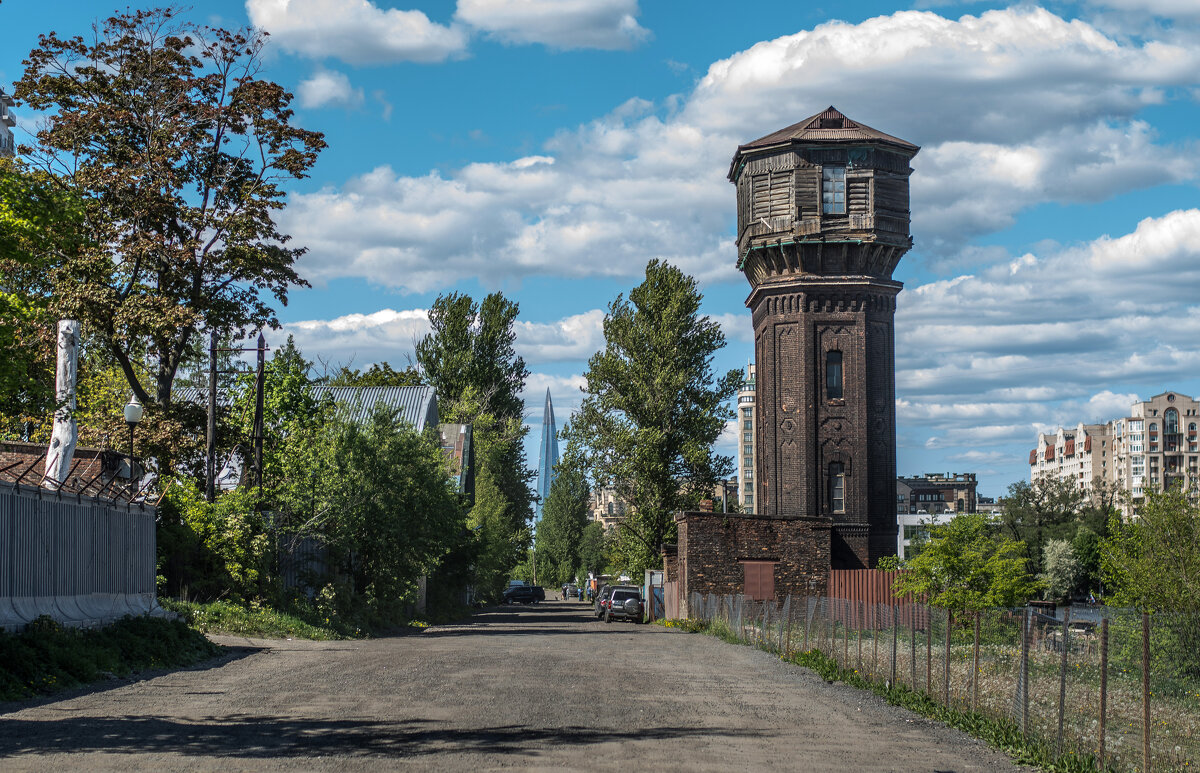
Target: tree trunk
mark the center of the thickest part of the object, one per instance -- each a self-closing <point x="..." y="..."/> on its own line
<point x="65" y="435"/>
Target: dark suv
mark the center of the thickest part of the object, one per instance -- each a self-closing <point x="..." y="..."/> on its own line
<point x="625" y="603"/>
<point x="524" y="594"/>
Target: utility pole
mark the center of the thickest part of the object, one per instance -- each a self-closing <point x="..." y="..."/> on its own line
<point x="258" y="412"/>
<point x="210" y="459"/>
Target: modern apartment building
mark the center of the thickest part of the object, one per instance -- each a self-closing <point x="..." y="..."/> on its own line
<point x="1155" y="446"/>
<point x="746" y="459"/>
<point x="8" y="146"/>
<point x="1082" y="454"/>
<point x="935" y="493"/>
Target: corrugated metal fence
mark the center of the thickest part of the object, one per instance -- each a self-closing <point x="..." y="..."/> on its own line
<point x="874" y="588"/>
<point x="82" y="561"/>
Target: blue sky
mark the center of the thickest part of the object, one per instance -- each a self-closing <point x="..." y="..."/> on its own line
<point x="549" y="148"/>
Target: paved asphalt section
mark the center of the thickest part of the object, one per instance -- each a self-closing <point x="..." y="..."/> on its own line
<point x="542" y="687"/>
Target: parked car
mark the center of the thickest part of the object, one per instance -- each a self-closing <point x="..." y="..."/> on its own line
<point x="524" y="594"/>
<point x="625" y="603"/>
<point x="601" y="599"/>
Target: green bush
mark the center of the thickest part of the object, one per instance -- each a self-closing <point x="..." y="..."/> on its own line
<point x="256" y="620"/>
<point x="212" y="550"/>
<point x="46" y="657"/>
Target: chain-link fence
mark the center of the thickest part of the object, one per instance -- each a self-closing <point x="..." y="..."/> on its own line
<point x="1117" y="685"/>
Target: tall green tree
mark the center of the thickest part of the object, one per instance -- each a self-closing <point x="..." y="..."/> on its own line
<point x="378" y="375"/>
<point x="289" y="408"/>
<point x="1047" y="509"/>
<point x="593" y="549"/>
<point x="653" y="408"/>
<point x="1063" y="570"/>
<point x="560" y="531"/>
<point x="966" y="567"/>
<point x="470" y="359"/>
<point x="39" y="225"/>
<point x="174" y="151"/>
<point x="1152" y="562"/>
<point x="472" y="346"/>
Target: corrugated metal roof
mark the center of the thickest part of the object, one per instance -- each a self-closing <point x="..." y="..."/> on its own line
<point x="828" y="126"/>
<point x="417" y="405"/>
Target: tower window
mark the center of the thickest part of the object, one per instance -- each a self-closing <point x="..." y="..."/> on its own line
<point x="837" y="487"/>
<point x="833" y="375"/>
<point x="833" y="190"/>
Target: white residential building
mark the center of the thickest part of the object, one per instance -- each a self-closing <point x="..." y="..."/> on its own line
<point x="747" y="457"/>
<point x="8" y="146"/>
<point x="1154" y="446"/>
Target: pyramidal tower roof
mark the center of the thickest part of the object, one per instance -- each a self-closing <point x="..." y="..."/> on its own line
<point x="548" y="455"/>
<point x="830" y="126"/>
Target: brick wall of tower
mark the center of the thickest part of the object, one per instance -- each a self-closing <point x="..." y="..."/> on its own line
<point x="712" y="547"/>
<point x="800" y="432"/>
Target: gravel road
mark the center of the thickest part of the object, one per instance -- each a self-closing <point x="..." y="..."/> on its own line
<point x="545" y="687"/>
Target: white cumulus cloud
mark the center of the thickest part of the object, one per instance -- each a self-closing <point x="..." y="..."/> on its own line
<point x="356" y="31"/>
<point x="1013" y="108"/>
<point x="329" y="88"/>
<point x="604" y="24"/>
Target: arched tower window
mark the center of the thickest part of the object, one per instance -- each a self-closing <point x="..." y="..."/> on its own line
<point x="833" y="375"/>
<point x="1171" y="422"/>
<point x="837" y="487"/>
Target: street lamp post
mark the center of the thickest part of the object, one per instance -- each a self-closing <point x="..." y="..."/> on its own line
<point x="133" y="415"/>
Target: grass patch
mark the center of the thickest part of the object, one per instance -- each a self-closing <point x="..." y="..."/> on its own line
<point x="298" y="622"/>
<point x="47" y="658"/>
<point x="265" y="622"/>
<point x="1003" y="734"/>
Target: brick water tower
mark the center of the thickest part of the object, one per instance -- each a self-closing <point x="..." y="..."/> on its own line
<point x="823" y="220"/>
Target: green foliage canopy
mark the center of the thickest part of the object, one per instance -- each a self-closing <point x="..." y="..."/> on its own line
<point x="966" y="567"/>
<point x="1062" y="570"/>
<point x="1152" y="562"/>
<point x="560" y="531"/>
<point x="1053" y="509"/>
<point x="470" y="359"/>
<point x="653" y="409"/>
<point x="174" y="152"/>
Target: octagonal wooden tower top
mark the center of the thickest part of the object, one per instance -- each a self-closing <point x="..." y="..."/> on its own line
<point x="827" y="196"/>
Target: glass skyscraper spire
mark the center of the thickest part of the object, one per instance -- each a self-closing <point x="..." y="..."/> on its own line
<point x="548" y="457"/>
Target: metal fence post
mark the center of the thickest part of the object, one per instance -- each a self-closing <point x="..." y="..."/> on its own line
<point x="845" y="605"/>
<point x="860" y="621"/>
<point x="1025" y="672"/>
<point x="975" y="668"/>
<point x="912" y="647"/>
<point x="1062" y="679"/>
<point x="895" y="626"/>
<point x="1103" y="684"/>
<point x="946" y="679"/>
<point x="807" y="604"/>
<point x="929" y="650"/>
<point x="788" y="645"/>
<point x="1146" y="692"/>
<point x="874" y="640"/>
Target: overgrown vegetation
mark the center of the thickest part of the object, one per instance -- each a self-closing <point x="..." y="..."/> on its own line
<point x="47" y="658"/>
<point x="652" y="410"/>
<point x="1002" y="734"/>
<point x="965" y="567"/>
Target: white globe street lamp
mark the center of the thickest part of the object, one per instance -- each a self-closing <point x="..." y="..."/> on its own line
<point x="133" y="415"/>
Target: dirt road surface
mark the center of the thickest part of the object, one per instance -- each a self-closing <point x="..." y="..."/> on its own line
<point x="545" y="687"/>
